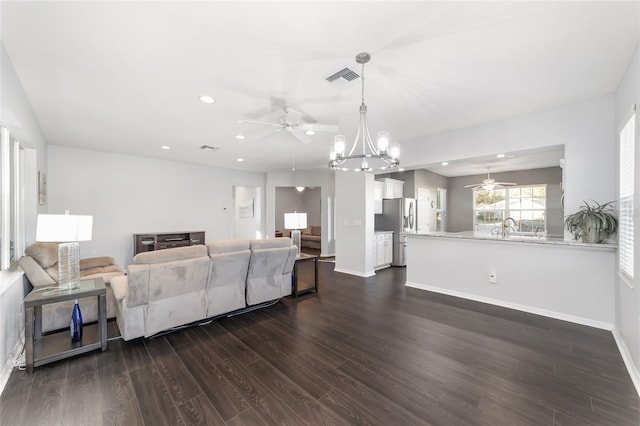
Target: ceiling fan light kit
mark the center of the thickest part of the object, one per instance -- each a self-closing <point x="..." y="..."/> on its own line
<point x="381" y="156"/>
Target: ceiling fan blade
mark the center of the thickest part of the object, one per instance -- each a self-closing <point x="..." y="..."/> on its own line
<point x="301" y="137"/>
<point x="319" y="127"/>
<point x="262" y="123"/>
<point x="505" y="183"/>
<point x="474" y="185"/>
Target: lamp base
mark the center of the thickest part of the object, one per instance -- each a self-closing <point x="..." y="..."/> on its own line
<point x="295" y="239"/>
<point x="68" y="265"/>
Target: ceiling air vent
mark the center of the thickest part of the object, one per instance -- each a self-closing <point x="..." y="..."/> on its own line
<point x="345" y="73"/>
<point x="210" y="148"/>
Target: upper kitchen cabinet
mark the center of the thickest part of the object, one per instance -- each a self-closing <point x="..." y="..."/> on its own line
<point x="392" y="188"/>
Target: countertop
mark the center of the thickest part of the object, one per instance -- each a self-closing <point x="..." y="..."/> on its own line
<point x="471" y="235"/>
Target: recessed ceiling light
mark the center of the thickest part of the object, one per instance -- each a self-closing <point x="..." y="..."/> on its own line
<point x="167" y="147"/>
<point x="401" y="169"/>
<point x="444" y="163"/>
<point x="240" y="160"/>
<point x="500" y="156"/>
<point x="240" y="137"/>
<point x="207" y="99"/>
<point x="310" y="132"/>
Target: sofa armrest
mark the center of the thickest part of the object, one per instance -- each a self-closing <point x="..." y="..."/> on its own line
<point x="119" y="287"/>
<point x="34" y="272"/>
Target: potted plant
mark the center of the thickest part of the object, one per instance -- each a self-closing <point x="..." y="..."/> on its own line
<point x="594" y="223"/>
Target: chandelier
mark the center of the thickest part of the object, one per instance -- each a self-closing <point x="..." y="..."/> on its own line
<point x="370" y="156"/>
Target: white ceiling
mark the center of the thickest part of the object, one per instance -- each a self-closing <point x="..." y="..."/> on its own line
<point x="126" y="76"/>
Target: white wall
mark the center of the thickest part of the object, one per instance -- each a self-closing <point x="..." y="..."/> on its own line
<point x="128" y="194"/>
<point x="354" y="223"/>
<point x="628" y="293"/>
<point x="16" y="114"/>
<point x="248" y="213"/>
<point x="323" y="179"/>
<point x="571" y="283"/>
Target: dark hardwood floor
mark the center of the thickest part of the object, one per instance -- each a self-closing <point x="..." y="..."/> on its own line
<point x="361" y="351"/>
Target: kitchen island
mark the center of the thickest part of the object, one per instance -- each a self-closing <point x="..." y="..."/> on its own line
<point x="568" y="280"/>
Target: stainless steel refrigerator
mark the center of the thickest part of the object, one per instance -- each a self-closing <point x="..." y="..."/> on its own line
<point x="399" y="216"/>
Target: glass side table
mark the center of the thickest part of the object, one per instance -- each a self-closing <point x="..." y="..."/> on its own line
<point x="39" y="349"/>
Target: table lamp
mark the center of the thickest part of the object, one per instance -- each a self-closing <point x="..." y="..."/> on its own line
<point x="66" y="230"/>
<point x="295" y="221"/>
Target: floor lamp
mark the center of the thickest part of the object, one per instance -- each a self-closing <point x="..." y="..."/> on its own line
<point x="295" y="221"/>
<point x="67" y="230"/>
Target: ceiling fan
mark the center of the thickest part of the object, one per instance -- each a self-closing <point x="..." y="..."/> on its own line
<point x="489" y="184"/>
<point x="292" y="122"/>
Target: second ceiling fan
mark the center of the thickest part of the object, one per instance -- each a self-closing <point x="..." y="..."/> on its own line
<point x="489" y="184"/>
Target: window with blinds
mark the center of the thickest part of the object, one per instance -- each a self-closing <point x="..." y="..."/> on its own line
<point x="625" y="229"/>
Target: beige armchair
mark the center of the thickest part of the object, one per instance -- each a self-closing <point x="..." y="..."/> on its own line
<point x="40" y="265"/>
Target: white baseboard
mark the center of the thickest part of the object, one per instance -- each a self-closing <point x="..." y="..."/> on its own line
<point x="6" y="368"/>
<point x="356" y="273"/>
<point x="628" y="361"/>
<point x="518" y="307"/>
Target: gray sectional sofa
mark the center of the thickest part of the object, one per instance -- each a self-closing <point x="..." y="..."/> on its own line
<point x="169" y="288"/>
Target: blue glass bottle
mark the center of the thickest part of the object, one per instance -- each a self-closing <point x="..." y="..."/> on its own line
<point x="75" y="327"/>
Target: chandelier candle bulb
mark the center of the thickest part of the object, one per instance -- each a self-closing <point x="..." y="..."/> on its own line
<point x="383" y="142"/>
<point x="339" y="145"/>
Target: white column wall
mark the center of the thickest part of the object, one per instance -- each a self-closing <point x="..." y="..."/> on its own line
<point x="354" y="223"/>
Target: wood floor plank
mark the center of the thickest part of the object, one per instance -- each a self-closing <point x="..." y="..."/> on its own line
<point x="384" y="409"/>
<point x="224" y="397"/>
<point x="262" y="400"/>
<point x="125" y="414"/>
<point x="208" y="346"/>
<point x="290" y="367"/>
<point x="81" y="404"/>
<point x="153" y="398"/>
<point x="200" y="411"/>
<point x="232" y="345"/>
<point x="246" y="418"/>
<point x="294" y="396"/>
<point x="174" y="374"/>
<point x="135" y="354"/>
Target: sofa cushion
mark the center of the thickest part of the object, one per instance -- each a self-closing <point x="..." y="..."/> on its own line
<point x="316" y="230"/>
<point x="306" y="231"/>
<point x="270" y="243"/>
<point x="169" y="255"/>
<point x="46" y="254"/>
<point x="227" y="246"/>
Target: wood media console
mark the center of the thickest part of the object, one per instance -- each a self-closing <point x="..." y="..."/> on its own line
<point x="165" y="240"/>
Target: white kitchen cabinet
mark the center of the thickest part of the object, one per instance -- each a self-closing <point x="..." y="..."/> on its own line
<point x="383" y="249"/>
<point x="378" y="190"/>
<point x="392" y="188"/>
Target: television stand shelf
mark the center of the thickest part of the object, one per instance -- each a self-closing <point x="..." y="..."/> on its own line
<point x="164" y="240"/>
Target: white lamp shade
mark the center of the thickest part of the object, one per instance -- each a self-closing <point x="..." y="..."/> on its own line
<point x="63" y="227"/>
<point x="295" y="220"/>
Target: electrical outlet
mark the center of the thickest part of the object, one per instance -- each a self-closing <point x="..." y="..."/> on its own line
<point x="493" y="276"/>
